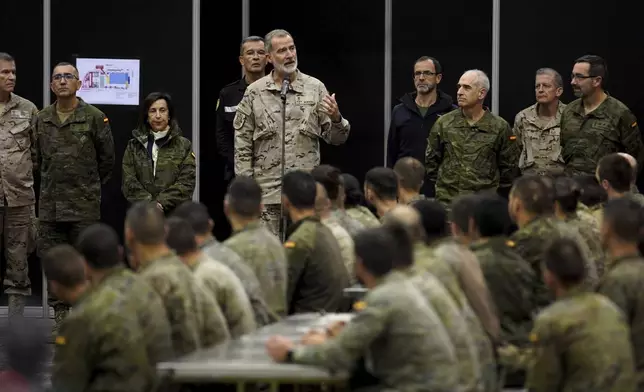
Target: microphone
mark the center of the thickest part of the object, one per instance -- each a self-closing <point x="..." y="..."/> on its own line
<point x="286" y="83"/>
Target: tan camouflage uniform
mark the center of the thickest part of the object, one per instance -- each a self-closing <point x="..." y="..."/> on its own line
<point x="346" y="245"/>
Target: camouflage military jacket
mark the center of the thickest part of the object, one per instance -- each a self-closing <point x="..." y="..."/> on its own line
<point x="264" y="253"/>
<point x="196" y="320"/>
<point x="401" y="337"/>
<point x="589" y="232"/>
<point x="463" y="158"/>
<point x="18" y="152"/>
<point x="101" y="346"/>
<point x="175" y="177"/>
<point x="76" y="157"/>
<point x="346" y="246"/>
<point x="623" y="284"/>
<point x="350" y="224"/>
<point x="540" y="145"/>
<point x="363" y="215"/>
<point x="581" y="343"/>
<point x="258" y="131"/>
<point x="586" y="138"/>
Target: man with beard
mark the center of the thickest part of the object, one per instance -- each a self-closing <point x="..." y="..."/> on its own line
<point x="596" y="124"/>
<point x="310" y="114"/>
<point x="415" y="115"/>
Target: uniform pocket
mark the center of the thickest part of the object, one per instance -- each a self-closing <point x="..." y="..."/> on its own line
<point x="20" y="134"/>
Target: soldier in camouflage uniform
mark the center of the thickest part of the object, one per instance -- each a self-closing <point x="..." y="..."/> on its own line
<point x="381" y="190"/>
<point x="471" y="149"/>
<point x="197" y="214"/>
<point x="537" y="127"/>
<point x="220" y="282"/>
<point x="580" y="342"/>
<point x="354" y="202"/>
<point x="322" y="210"/>
<point x="76" y="157"/>
<point x="624" y="279"/>
<point x="195" y="317"/>
<point x="402" y="338"/>
<point x="596" y="124"/>
<point x="101" y="345"/>
<point x="18" y="161"/>
<point x="258" y="248"/>
<point x="616" y="175"/>
<point x="531" y="207"/>
<point x="159" y="164"/>
<point x="311" y="114"/>
<point x="411" y="175"/>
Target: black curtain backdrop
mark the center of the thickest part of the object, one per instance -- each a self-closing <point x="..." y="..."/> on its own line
<point x="224" y="47"/>
<point x="26" y="48"/>
<point x="342" y="44"/>
<point x="457" y="33"/>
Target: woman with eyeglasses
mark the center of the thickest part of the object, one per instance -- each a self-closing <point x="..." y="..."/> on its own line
<point x="159" y="164"/>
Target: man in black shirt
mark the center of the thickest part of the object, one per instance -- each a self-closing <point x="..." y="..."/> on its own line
<point x="415" y="115"/>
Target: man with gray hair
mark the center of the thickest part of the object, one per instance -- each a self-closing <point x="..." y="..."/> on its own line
<point x="470" y="149"/>
<point x="285" y="98"/>
<point x="537" y="127"/>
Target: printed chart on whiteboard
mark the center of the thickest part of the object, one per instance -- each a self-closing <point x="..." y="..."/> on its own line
<point x="109" y="81"/>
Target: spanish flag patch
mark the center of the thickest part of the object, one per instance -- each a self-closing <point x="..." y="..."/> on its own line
<point x="105" y="119"/>
<point x="634" y="124"/>
<point x="510" y="243"/>
<point x="289" y="244"/>
<point x="60" y="340"/>
<point x="513" y="138"/>
<point x="533" y="337"/>
<point x="193" y="154"/>
<point x="360" y="305"/>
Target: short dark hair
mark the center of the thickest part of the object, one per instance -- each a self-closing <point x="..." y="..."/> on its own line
<point x="433" y="217"/>
<point x="64" y="265"/>
<point x="462" y="209"/>
<point x="383" y="181"/>
<point x="437" y="66"/>
<point x="353" y="195"/>
<point x="251" y="38"/>
<point x="376" y="249"/>
<point x="564" y="259"/>
<point x="534" y="194"/>
<point x="491" y="216"/>
<point x="331" y="179"/>
<point x="404" y="255"/>
<point x="99" y="245"/>
<point x="411" y="173"/>
<point x="616" y="169"/>
<point x="591" y="192"/>
<point x="597" y="64"/>
<point x="65" y="64"/>
<point x="7" y="57"/>
<point x="300" y="189"/>
<point x="567" y="193"/>
<point x="245" y="197"/>
<point x="625" y="217"/>
<point x="196" y="214"/>
<point x="149" y="101"/>
<point x="147" y="223"/>
<point x="181" y="236"/>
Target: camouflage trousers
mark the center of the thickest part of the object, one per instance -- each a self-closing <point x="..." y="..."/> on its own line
<point x="271" y="216"/>
<point x="58" y="233"/>
<point x="15" y="224"/>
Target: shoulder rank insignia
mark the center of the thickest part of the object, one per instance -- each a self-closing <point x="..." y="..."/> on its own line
<point x="105" y="119"/>
<point x="634" y="124"/>
<point x="360" y="305"/>
<point x="60" y="340"/>
<point x="289" y="244"/>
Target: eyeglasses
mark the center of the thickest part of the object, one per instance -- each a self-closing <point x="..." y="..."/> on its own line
<point x="581" y="77"/>
<point x="66" y="76"/>
<point x="417" y="74"/>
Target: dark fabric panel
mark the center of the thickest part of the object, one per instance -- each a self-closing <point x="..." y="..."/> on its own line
<point x="458" y="34"/>
<point x="225" y="70"/>
<point x="340" y="43"/>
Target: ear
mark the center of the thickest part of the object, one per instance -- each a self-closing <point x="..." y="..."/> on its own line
<point x="211" y="224"/>
<point x="453" y="228"/>
<point x="269" y="58"/>
<point x="439" y="77"/>
<point x="471" y="226"/>
<point x="559" y="91"/>
<point x="241" y="60"/>
<point x="605" y="184"/>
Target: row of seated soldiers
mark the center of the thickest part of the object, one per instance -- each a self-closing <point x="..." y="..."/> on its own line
<point x="451" y="304"/>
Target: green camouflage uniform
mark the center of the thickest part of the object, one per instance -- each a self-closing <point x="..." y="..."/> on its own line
<point x="195" y="318"/>
<point x="463" y="158"/>
<point x="363" y="215"/>
<point x="258" y="134"/>
<point x="531" y="241"/>
<point x="76" y="157"/>
<point x="18" y="161"/>
<point x="347" y="247"/>
<point x="583" y="222"/>
<point x="539" y="140"/>
<point x="581" y="343"/>
<point x="172" y="182"/>
<point x="402" y="339"/>
<point x="225" y="255"/>
<point x="264" y="253"/>
<point x="316" y="274"/>
<point x="586" y="138"/>
<point x="227" y="290"/>
<point x="101" y="345"/>
<point x="623" y="284"/>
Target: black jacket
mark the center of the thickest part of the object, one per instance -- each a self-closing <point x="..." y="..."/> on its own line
<point x="408" y="131"/>
<point x="229" y="98"/>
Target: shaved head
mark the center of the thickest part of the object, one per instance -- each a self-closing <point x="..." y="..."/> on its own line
<point x="405" y="216"/>
<point x="631" y="160"/>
